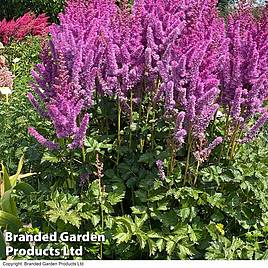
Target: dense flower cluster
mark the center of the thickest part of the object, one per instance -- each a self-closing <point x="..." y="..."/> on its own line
<point x="184" y="44"/>
<point x="23" y="26"/>
<point x="180" y="53"/>
<point x="244" y="72"/>
<point x="57" y="92"/>
<point x="6" y="76"/>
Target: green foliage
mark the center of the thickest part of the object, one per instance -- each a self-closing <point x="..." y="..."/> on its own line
<point x="223" y="217"/>
<point x="9" y="218"/>
<point x="18" y="114"/>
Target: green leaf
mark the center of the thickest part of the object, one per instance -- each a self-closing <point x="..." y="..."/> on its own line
<point x="117" y="195"/>
<point x="217" y="216"/>
<point x="8" y="204"/>
<point x="265" y="255"/>
<point x="142" y="238"/>
<point x="95" y="219"/>
<point x="94" y="187"/>
<point x="140" y="221"/>
<point x="127" y="222"/>
<point x="152" y="246"/>
<point x="7" y="184"/>
<point x="25" y="187"/>
<point x="14" y="178"/>
<point x="9" y="221"/>
<point x="184" y="251"/>
<point x="156" y="197"/>
<point x="160" y="243"/>
<point x="185" y="213"/>
<point x="123" y="237"/>
<point x="192" y="234"/>
<point x="20" y="176"/>
<point x="138" y="209"/>
<point x="73" y="218"/>
<point x="147" y="158"/>
<point x="50" y="158"/>
<point x="170" y="246"/>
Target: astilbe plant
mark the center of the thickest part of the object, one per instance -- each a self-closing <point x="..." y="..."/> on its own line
<point x="244" y="76"/>
<point x="185" y="41"/>
<point x="62" y="106"/>
<point x="179" y="54"/>
<point x="18" y="29"/>
<point x="65" y="81"/>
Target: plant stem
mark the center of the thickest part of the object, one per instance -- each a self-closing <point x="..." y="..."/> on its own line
<point x="226" y="133"/>
<point x="118" y="131"/>
<point x="141" y="96"/>
<point x="232" y="144"/>
<point x="102" y="215"/>
<point x="234" y="151"/>
<point x="130" y="120"/>
<point x="83" y="154"/>
<point x="153" y="119"/>
<point x="172" y="155"/>
<point x="190" y="142"/>
<point x="140" y="112"/>
<point x="196" y="172"/>
<point x="146" y="123"/>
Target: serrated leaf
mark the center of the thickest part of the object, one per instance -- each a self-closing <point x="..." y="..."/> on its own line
<point x="152" y="247"/>
<point x="170" y="246"/>
<point x="94" y="187"/>
<point x="123" y="237"/>
<point x="185" y="213"/>
<point x="160" y="243"/>
<point x="217" y="216"/>
<point x="95" y="219"/>
<point x="73" y="219"/>
<point x="220" y="228"/>
<point x="192" y="235"/>
<point x="156" y="197"/>
<point x="117" y="195"/>
<point x="184" y="251"/>
<point x="142" y="238"/>
<point x="140" y="221"/>
<point x="138" y="209"/>
<point x="127" y="222"/>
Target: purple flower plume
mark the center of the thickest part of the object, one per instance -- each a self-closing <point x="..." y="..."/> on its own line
<point x="181" y="52"/>
<point x="250" y="135"/>
<point x="80" y="134"/>
<point x="42" y="140"/>
<point x="243" y="73"/>
<point x="161" y="172"/>
<point x="179" y="132"/>
<point x="203" y="155"/>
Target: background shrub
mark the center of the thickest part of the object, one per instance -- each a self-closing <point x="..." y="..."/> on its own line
<point x="16" y="8"/>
